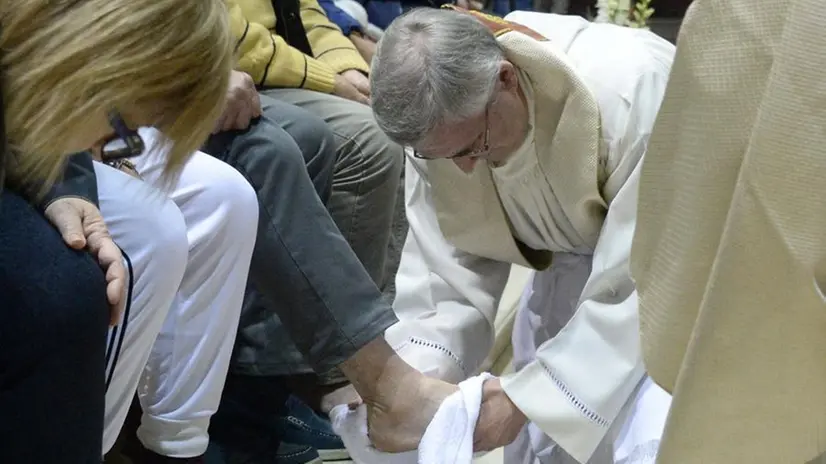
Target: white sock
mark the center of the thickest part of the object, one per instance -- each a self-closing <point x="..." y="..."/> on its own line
<point x="447" y="440"/>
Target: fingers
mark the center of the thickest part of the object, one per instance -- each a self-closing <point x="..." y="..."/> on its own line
<point x="239" y="113"/>
<point x="361" y="98"/>
<point x="255" y="101"/>
<point x="231" y="115"/>
<point x="251" y="98"/>
<point x="219" y="124"/>
<point x="245" y="114"/>
<point x="69" y="222"/>
<point x="110" y="259"/>
<point x="364" y="86"/>
<point x="243" y="104"/>
<point x="116" y="291"/>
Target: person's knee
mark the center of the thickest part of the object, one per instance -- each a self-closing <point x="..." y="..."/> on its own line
<point x="225" y="191"/>
<point x="311" y="134"/>
<point x="47" y="287"/>
<point x="269" y="156"/>
<point x="147" y="226"/>
<point x="380" y="157"/>
<point x="154" y="241"/>
<point x="167" y="244"/>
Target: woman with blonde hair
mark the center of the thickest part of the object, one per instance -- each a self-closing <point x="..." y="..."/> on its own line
<point x="79" y="75"/>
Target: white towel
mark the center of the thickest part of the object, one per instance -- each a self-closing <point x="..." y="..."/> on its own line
<point x="447" y="440"/>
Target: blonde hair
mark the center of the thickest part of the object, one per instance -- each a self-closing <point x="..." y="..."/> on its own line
<point x="65" y="60"/>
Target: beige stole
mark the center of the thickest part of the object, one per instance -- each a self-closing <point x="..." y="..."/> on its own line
<point x="567" y="136"/>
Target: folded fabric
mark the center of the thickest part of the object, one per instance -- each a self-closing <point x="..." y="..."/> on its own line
<point x="447" y="440"/>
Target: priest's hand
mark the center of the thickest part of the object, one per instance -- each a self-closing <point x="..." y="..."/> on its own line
<point x="499" y="419"/>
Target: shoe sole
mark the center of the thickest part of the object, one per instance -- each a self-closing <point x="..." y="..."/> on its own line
<point x="334" y="455"/>
<point x="315" y="461"/>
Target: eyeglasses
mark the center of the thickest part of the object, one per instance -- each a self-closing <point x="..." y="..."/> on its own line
<point x="126" y="143"/>
<point x="468" y="152"/>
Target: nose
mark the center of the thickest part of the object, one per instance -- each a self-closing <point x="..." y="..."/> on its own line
<point x="466" y="164"/>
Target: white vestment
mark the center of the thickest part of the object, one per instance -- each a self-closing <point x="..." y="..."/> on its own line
<point x="580" y="377"/>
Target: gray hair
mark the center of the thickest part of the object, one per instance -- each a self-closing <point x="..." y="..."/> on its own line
<point x="432" y="66"/>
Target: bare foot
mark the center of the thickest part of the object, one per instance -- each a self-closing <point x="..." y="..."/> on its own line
<point x="399" y="424"/>
<point x="401" y="401"/>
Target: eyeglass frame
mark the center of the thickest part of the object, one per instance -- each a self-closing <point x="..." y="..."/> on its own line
<point x="485" y="148"/>
<point x="135" y="145"/>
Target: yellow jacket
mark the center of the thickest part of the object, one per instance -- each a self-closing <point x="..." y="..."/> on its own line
<point x="272" y="62"/>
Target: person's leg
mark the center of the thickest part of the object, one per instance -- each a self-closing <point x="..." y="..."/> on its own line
<point x="367" y="175"/>
<point x="308" y="285"/>
<point x="53" y="322"/>
<point x="187" y="369"/>
<point x="150" y="230"/>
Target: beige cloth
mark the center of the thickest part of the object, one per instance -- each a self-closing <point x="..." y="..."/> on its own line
<point x="730" y="250"/>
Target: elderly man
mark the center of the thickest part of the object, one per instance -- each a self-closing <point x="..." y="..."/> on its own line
<point x="527" y="141"/>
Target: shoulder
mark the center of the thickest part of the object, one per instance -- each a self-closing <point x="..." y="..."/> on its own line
<point x="619" y="60"/>
<point x="626" y="70"/>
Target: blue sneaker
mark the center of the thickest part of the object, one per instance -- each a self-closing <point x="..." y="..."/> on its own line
<point x="304" y="427"/>
<point x="289" y="453"/>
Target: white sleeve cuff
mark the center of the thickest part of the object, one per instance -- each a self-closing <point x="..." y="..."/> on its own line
<point x="429" y="357"/>
<point x="556" y="410"/>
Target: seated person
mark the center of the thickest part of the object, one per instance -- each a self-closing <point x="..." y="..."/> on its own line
<point x="55" y="296"/>
<point x="301" y="260"/>
<point x="312" y="70"/>
<point x="203" y="218"/>
<point x="318" y="70"/>
<point x="362" y="21"/>
<point x="52" y="329"/>
<point x="526" y="147"/>
<point x="356" y="21"/>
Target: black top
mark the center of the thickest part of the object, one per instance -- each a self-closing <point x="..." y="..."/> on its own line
<point x="289" y="26"/>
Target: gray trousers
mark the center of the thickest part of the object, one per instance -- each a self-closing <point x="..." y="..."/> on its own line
<point x="367" y="175"/>
<point x="312" y="301"/>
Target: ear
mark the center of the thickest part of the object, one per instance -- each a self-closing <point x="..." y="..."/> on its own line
<point x="508" y="76"/>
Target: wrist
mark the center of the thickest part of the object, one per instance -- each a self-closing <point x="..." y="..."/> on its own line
<point x="498" y="394"/>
